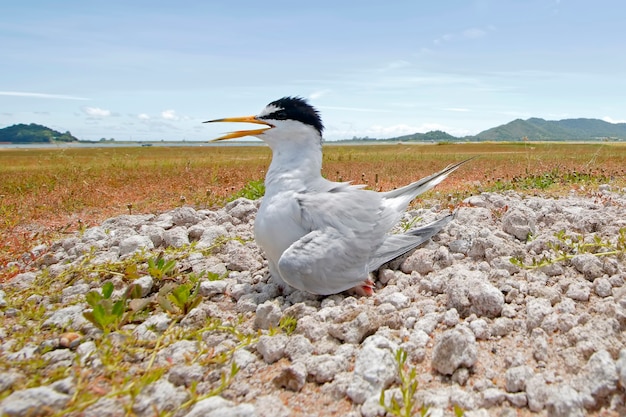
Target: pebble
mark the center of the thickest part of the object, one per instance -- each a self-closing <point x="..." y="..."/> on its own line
<point x="33" y="402"/>
<point x="454" y="348"/>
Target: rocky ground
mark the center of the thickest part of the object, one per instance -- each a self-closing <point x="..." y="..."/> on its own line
<point x="517" y="308"/>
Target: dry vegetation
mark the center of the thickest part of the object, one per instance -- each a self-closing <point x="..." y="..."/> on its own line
<point x="48" y="192"/>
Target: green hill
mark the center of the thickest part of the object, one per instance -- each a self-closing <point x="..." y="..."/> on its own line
<point x="553" y="130"/>
<point x="432" y="136"/>
<point x="34" y="133"/>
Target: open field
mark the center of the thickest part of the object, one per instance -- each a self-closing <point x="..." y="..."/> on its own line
<point x="47" y="192"/>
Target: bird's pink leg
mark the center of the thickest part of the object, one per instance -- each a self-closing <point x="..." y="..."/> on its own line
<point x="365" y="290"/>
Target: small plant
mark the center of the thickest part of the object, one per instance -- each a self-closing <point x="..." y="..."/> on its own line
<point x="107" y="314"/>
<point x="288" y="324"/>
<point x="408" y="386"/>
<point x="180" y="298"/>
<point x="569" y="245"/>
<point x="406" y="224"/>
<point x="159" y="268"/>
<point x="253" y="190"/>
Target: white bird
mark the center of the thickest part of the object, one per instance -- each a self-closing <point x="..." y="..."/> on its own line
<point x="321" y="236"/>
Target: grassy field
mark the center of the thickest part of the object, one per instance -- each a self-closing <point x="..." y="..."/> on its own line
<point x="45" y="193"/>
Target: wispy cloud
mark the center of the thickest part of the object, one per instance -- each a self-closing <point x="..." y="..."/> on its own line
<point x="143" y="116"/>
<point x="403" y="129"/>
<point x="473" y="33"/>
<point x="40" y="95"/>
<point x="359" y="109"/>
<point x="319" y="93"/>
<point x="456" y="109"/>
<point x="394" y="65"/>
<point x="470" y="33"/>
<point x="96" y="112"/>
<point x="612" y="120"/>
<point x="169" y="115"/>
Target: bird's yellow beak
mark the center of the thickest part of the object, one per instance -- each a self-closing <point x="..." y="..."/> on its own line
<point x="241" y="133"/>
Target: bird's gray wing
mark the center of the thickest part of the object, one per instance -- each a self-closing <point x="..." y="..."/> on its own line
<point x="345" y="229"/>
<point x="397" y="245"/>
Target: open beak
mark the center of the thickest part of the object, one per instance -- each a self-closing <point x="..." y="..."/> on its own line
<point x="241" y="133"/>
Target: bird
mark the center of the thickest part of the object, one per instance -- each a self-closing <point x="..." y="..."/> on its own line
<point x="321" y="236"/>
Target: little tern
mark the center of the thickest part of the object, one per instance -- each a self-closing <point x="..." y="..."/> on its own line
<point x="321" y="236"/>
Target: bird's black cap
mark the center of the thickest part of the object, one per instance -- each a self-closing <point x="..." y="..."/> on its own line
<point x="295" y="108"/>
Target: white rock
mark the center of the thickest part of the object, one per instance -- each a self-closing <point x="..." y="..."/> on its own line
<point x="185" y="216"/>
<point x="268" y="315"/>
<point x="244" y="358"/>
<point x="272" y="348"/>
<point x="210" y="236"/>
<point x="480" y="329"/>
<point x="518" y="223"/>
<point x="211" y="288"/>
<point x="152" y="326"/>
<point x="292" y="377"/>
<point x="374" y="368"/>
<point x="536" y="310"/>
<point x="454" y="348"/>
<point x="564" y="401"/>
<point x="515" y="378"/>
<point x="355" y="330"/>
<point x="240" y="258"/>
<point x="209" y="405"/>
<point x="155" y="233"/>
<point x="536" y="392"/>
<point x="135" y="243"/>
<point x="323" y="368"/>
<point x="298" y="347"/>
<point x="396" y="299"/>
<point x="176" y="237"/>
<point x="598" y="378"/>
<point x="602" y="287"/>
<point x="106" y="407"/>
<point x="33" y="402"/>
<point x="590" y="266"/>
<point x="579" y="291"/>
<point x="145" y="283"/>
<point x="469" y="292"/>
<point x="67" y="318"/>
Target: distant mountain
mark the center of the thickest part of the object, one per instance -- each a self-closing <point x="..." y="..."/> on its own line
<point x="33" y="133"/>
<point x="553" y="130"/>
<point x="432" y="136"/>
<point x="533" y="129"/>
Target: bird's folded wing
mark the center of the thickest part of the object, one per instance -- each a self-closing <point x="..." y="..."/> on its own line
<point x="344" y="233"/>
<point x="398" y="245"/>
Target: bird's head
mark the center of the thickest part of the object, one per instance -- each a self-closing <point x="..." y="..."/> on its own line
<point x="286" y="118"/>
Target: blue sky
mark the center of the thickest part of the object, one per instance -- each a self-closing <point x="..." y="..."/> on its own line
<point x="156" y="69"/>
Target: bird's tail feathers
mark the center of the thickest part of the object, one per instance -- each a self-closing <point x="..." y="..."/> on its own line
<point x="401" y="197"/>
<point x="397" y="245"/>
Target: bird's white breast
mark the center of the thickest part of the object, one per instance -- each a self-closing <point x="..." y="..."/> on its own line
<point x="277" y="224"/>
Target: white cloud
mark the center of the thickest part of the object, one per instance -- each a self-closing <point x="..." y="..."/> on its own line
<point x="40" y="95"/>
<point x="96" y="112"/>
<point x="317" y="94"/>
<point x="143" y="116"/>
<point x="359" y="109"/>
<point x="390" y="131"/>
<point x="474" y="33"/>
<point x="612" y="120"/>
<point x="456" y="109"/>
<point x="169" y="115"/>
<point x="394" y="65"/>
<point x="471" y="33"/>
